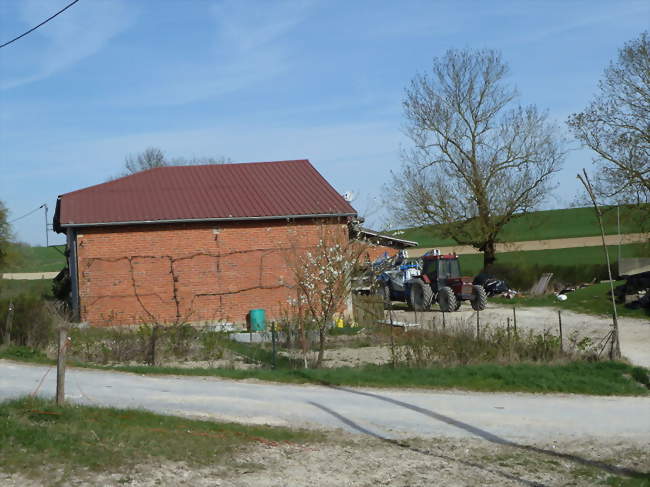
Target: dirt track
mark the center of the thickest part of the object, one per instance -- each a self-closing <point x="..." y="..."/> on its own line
<point x="369" y="462"/>
<point x="556" y="243"/>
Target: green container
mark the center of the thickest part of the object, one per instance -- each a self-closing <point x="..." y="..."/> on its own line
<point x="257" y="320"/>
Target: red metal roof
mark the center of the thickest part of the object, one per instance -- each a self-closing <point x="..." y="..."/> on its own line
<point x="210" y="192"/>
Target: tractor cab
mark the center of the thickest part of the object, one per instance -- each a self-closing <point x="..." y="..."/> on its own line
<point x="444" y="271"/>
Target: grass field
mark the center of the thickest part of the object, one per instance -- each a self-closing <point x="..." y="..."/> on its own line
<point x="36" y="435"/>
<point x="36" y="259"/>
<point x="10" y="288"/>
<point x="471" y="264"/>
<point x="549" y="224"/>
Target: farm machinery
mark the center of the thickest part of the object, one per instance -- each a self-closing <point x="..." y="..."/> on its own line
<point x="437" y="279"/>
<point x="441" y="281"/>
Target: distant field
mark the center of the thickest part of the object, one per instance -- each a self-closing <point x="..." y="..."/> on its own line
<point x="36" y="259"/>
<point x="549" y="224"/>
<point x="473" y="263"/>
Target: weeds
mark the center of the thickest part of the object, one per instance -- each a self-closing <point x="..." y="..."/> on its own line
<point x="145" y="344"/>
<point x="459" y="345"/>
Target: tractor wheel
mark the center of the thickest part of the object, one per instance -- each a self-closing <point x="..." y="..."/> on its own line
<point x="479" y="298"/>
<point x="458" y="303"/>
<point x="421" y="296"/>
<point x="447" y="300"/>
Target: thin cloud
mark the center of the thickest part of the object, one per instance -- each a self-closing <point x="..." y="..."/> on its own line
<point x="250" y="45"/>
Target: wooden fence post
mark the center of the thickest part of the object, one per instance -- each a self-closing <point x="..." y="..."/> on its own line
<point x="559" y="318"/>
<point x="60" y="366"/>
<point x="273" y="342"/>
<point x="8" y="324"/>
<point x="514" y="316"/>
<point x="509" y="346"/>
<point x="478" y="324"/>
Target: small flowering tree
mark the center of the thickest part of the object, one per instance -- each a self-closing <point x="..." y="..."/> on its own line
<point x="322" y="280"/>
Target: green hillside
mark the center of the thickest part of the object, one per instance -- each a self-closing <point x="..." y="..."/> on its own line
<point x="570" y="258"/>
<point x="24" y="258"/>
<point x="548" y="224"/>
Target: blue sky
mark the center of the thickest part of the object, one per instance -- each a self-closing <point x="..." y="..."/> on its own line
<point x="267" y="80"/>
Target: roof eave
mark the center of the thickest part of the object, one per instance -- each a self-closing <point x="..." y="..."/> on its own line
<point x="373" y="233"/>
<point x="200" y="220"/>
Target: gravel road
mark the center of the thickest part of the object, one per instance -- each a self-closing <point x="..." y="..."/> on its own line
<point x="498" y="418"/>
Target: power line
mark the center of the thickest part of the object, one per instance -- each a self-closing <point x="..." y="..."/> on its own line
<point x="27" y="214"/>
<point x="42" y="23"/>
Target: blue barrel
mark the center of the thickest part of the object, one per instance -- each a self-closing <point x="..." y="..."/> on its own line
<point x="257" y="320"/>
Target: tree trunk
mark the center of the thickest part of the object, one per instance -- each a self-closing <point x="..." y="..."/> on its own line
<point x="489" y="254"/>
<point x="303" y="344"/>
<point x="321" y="345"/>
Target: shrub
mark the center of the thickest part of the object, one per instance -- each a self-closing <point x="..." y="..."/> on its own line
<point x="33" y="323"/>
<point x="641" y="375"/>
<point x="459" y="345"/>
<point x="212" y="346"/>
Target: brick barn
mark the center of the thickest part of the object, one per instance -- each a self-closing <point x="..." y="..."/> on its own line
<point x="193" y="243"/>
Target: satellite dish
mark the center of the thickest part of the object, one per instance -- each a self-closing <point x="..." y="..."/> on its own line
<point x="349" y="196"/>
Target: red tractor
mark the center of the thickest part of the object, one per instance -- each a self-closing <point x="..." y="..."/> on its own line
<point x="441" y="281"/>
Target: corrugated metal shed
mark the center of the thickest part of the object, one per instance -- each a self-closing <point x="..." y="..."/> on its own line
<point x="256" y="190"/>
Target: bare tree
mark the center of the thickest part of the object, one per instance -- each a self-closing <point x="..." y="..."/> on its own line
<point x="150" y="158"/>
<point x="194" y="160"/>
<point x="153" y="157"/>
<point x="616" y="126"/>
<point x="479" y="160"/>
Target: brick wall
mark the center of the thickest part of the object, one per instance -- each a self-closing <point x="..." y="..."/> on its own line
<point x="190" y="272"/>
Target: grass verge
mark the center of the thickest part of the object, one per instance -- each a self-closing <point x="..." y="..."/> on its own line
<point x="642" y="480"/>
<point x="10" y="288"/>
<point x="593" y="300"/>
<point x="592" y="378"/>
<point x="36" y="435"/>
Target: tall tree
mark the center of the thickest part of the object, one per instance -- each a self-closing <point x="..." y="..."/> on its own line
<point x="5" y="234"/>
<point x="478" y="158"/>
<point x="616" y="126"/>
